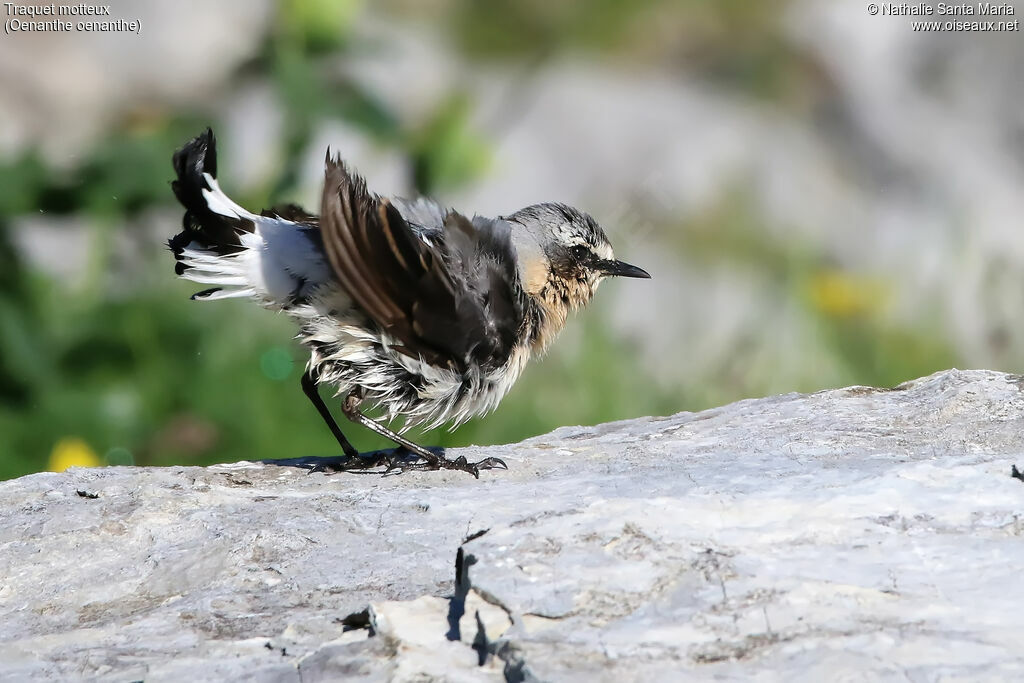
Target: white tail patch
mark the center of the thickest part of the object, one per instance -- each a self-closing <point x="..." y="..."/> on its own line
<point x="218" y="202"/>
<point x="278" y="264"/>
<point x="214" y="294"/>
<point x="209" y="268"/>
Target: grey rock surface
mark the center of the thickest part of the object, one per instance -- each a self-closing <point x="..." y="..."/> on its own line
<point x="854" y="534"/>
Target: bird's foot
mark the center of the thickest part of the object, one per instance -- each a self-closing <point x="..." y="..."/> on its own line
<point x="329" y="465"/>
<point x="390" y="459"/>
<point x="461" y="464"/>
<point x="402" y="459"/>
<point x="398" y="460"/>
<point x="433" y="459"/>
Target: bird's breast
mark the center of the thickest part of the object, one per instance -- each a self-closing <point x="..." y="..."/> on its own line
<point x="356" y="357"/>
<point x="437" y="395"/>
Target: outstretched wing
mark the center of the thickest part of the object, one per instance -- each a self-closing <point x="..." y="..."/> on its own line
<point x="451" y="300"/>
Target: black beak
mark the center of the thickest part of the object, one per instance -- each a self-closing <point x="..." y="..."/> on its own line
<point x="621" y="269"/>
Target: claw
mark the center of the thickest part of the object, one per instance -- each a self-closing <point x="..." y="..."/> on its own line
<point x="331" y="466"/>
<point x="492" y="464"/>
<point x="393" y="465"/>
<point x="321" y="468"/>
<point x="462" y="465"/>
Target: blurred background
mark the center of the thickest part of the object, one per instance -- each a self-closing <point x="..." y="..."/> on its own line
<point x="823" y="197"/>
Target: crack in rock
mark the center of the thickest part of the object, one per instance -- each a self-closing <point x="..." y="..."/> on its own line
<point x="412" y="626"/>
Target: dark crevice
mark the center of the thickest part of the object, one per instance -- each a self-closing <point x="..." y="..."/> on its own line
<point x="473" y="536"/>
<point x="480" y="642"/>
<point x="457" y="604"/>
<point x="357" y="621"/>
<point x="515" y="669"/>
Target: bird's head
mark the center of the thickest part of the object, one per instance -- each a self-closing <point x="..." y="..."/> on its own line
<point x="564" y="254"/>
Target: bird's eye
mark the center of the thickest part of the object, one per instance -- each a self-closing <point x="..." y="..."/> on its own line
<point x="580" y="252"/>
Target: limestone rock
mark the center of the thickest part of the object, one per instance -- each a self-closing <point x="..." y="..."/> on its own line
<point x="858" y="533"/>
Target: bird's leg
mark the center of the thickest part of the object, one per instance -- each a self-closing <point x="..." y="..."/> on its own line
<point x="350" y="406"/>
<point x="353" y="461"/>
<point x="309" y="387"/>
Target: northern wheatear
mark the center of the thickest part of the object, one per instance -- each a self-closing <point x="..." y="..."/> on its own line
<point x="414" y="308"/>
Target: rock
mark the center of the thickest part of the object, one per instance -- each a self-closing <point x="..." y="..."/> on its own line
<point x="855" y="533"/>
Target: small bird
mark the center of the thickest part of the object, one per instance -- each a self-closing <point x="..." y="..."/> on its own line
<point x="404" y="305"/>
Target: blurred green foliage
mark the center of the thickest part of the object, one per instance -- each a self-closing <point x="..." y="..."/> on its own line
<point x="734" y="43"/>
<point x="446" y="153"/>
<point x="139" y="374"/>
<point x="127" y="367"/>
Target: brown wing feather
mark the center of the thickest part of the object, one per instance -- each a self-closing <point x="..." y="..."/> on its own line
<point x="344" y="217"/>
<point x="440" y="300"/>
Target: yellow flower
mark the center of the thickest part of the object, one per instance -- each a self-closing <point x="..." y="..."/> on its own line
<point x="72" y="452"/>
<point x="842" y="295"/>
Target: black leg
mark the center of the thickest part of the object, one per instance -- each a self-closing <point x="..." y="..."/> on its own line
<point x="309" y="387"/>
<point x="350" y="406"/>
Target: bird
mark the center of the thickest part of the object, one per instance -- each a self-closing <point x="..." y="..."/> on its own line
<point x="412" y="309"/>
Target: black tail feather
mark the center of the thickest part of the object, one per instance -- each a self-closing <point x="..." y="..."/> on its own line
<point x="199" y="296"/>
<point x="195" y="158"/>
<point x="201" y="225"/>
